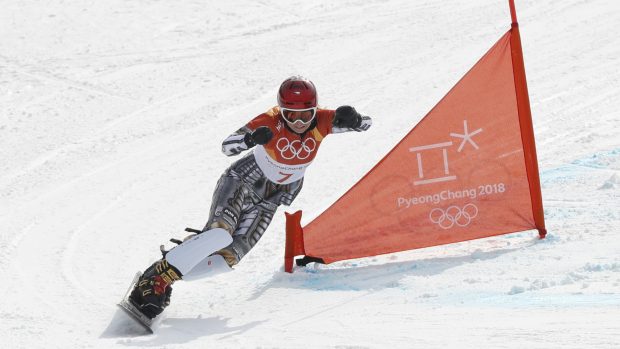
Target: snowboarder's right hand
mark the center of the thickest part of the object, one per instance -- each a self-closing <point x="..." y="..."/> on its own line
<point x="261" y="136"/>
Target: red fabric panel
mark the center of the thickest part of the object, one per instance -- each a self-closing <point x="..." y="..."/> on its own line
<point x="458" y="175"/>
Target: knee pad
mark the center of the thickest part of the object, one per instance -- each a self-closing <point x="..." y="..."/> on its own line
<point x="208" y="267"/>
<point x="191" y="252"/>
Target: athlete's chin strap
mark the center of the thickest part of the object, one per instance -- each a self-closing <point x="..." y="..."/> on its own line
<point x="303" y="134"/>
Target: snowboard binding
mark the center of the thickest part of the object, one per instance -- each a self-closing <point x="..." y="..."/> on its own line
<point x="151" y="293"/>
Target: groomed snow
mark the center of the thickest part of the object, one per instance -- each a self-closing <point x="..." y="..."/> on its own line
<point x="111" y="118"/>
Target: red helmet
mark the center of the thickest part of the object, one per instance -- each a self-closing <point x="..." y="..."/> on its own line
<point x="297" y="92"/>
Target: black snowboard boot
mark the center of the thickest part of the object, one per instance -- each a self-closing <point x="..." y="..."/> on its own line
<point x="151" y="294"/>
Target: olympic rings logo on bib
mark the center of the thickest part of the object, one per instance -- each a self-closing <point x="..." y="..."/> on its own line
<point x="295" y="149"/>
<point x="454" y="215"/>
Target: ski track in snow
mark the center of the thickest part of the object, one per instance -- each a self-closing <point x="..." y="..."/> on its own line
<point x="110" y="128"/>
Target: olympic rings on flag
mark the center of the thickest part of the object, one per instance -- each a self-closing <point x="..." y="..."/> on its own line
<point x="296" y="149"/>
<point x="454" y="215"/>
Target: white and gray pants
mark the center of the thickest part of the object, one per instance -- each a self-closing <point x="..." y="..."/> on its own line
<point x="244" y="203"/>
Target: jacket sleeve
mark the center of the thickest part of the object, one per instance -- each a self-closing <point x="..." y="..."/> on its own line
<point x="235" y="143"/>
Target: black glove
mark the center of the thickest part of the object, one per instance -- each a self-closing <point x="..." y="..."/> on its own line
<point x="261" y="135"/>
<point x="347" y="117"/>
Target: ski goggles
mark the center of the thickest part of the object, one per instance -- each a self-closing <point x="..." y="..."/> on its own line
<point x="298" y="116"/>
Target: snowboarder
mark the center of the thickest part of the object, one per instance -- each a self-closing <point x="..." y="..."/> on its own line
<point x="285" y="139"/>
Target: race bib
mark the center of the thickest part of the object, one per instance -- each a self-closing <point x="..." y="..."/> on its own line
<point x="278" y="172"/>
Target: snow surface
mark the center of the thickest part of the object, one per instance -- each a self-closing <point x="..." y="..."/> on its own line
<point x="111" y="118"/>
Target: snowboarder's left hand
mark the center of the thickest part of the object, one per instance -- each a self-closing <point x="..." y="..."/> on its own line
<point x="347" y="117"/>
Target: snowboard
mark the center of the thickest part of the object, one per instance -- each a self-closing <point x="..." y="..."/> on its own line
<point x="132" y="311"/>
<point x="186" y="255"/>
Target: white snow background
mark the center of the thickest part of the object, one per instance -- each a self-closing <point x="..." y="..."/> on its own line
<point x="111" y="119"/>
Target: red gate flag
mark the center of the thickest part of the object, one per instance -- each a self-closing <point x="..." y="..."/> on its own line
<point x="467" y="170"/>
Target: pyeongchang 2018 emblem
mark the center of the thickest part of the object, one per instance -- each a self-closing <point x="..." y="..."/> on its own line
<point x="454" y="215"/>
<point x="295" y="149"/>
